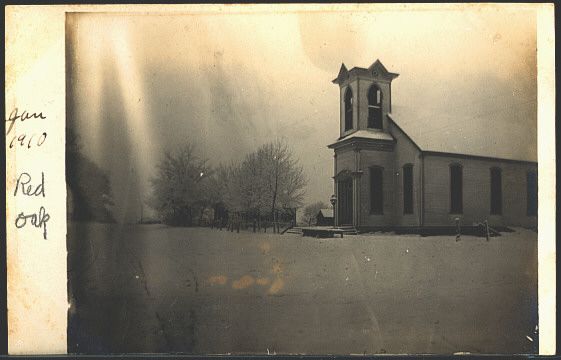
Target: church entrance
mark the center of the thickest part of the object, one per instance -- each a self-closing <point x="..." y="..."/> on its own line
<point x="345" y="208"/>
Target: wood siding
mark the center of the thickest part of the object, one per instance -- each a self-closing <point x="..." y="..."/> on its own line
<point x="476" y="192"/>
<point x="406" y="153"/>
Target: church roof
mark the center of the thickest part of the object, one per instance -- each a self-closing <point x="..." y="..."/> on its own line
<point x="459" y="139"/>
<point x="365" y="134"/>
<point x="495" y="121"/>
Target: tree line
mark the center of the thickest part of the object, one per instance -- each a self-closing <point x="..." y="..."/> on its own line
<point x="90" y="197"/>
<point x="267" y="185"/>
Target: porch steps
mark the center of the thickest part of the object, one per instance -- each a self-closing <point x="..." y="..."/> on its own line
<point x="328" y="231"/>
<point x="348" y="230"/>
<point x="294" y="230"/>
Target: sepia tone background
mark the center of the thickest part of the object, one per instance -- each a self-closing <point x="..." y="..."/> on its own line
<point x="51" y="24"/>
<point x="139" y="84"/>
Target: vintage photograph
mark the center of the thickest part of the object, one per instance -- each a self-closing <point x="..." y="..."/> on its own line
<point x="289" y="181"/>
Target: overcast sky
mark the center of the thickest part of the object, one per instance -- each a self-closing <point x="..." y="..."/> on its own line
<point x="230" y="82"/>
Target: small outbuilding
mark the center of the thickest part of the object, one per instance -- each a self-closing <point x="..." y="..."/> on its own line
<point x="325" y="217"/>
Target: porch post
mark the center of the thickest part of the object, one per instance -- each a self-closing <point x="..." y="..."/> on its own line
<point x="356" y="189"/>
<point x="336" y="192"/>
<point x="356" y="200"/>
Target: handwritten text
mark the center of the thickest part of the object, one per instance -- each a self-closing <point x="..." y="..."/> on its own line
<point x="25" y="187"/>
<point x="38" y="220"/>
<point x="24" y="140"/>
<point x="22" y="184"/>
<point x="14" y="116"/>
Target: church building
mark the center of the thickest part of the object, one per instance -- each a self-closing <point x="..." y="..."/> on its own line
<point x="384" y="180"/>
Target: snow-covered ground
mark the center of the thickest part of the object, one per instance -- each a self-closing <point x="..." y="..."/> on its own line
<point x="152" y="288"/>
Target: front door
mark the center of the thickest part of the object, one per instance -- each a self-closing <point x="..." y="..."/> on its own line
<point x="345" y="201"/>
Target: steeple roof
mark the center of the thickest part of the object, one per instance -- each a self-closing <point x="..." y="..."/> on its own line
<point x="343" y="74"/>
<point x="376" y="70"/>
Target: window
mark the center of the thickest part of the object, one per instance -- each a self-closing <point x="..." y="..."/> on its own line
<point x="496" y="192"/>
<point x="408" y="189"/>
<point x="376" y="190"/>
<point x="374" y="107"/>
<point x="456" y="189"/>
<point x="348" y="109"/>
<point x="532" y="193"/>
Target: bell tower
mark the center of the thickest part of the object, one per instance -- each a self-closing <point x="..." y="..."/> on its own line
<point x="365" y="98"/>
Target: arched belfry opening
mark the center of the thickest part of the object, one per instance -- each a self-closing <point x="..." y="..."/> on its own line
<point x="348" y="109"/>
<point x="375" y="107"/>
<point x="365" y="98"/>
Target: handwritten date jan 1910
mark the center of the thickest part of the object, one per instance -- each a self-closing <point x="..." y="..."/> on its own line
<point x="29" y="140"/>
<point x="25" y="115"/>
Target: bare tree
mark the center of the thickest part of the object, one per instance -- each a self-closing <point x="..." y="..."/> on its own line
<point x="265" y="181"/>
<point x="90" y="194"/>
<point x="179" y="186"/>
<point x="282" y="177"/>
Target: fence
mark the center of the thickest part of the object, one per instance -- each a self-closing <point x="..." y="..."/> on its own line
<point x="278" y="222"/>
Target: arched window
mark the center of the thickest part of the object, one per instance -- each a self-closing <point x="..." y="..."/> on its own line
<point x="374" y="107"/>
<point x="496" y="192"/>
<point x="408" y="189"/>
<point x="348" y="109"/>
<point x="456" y="202"/>
<point x="376" y="190"/>
<point x="531" y="193"/>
